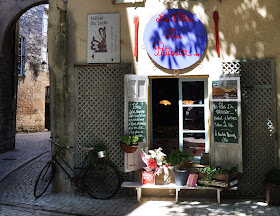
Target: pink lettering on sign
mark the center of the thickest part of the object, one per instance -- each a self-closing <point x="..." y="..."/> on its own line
<point x="173" y="34"/>
<point x="162" y="18"/>
<point x="176" y="17"/>
<point x="165" y="51"/>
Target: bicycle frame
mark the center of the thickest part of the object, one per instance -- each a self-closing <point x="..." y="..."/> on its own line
<point x="73" y="178"/>
<point x="95" y="172"/>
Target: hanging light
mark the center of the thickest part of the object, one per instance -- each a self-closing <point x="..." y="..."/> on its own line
<point x="165" y="102"/>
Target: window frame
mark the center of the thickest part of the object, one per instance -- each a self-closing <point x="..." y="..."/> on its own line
<point x="205" y="105"/>
<point x="21" y="56"/>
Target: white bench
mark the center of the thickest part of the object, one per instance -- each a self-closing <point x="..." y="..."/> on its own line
<point x="138" y="186"/>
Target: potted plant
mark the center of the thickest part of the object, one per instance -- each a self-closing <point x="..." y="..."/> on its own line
<point x="220" y="174"/>
<point x="180" y="160"/>
<point x="272" y="181"/>
<point x="129" y="143"/>
<point x="217" y="177"/>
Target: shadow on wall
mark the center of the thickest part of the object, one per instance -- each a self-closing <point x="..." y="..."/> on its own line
<point x="245" y="29"/>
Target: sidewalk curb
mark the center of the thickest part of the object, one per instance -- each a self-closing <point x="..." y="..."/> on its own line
<point x="39" y="208"/>
<point x="5" y="175"/>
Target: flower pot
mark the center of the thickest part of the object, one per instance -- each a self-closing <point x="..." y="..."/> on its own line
<point x="128" y="149"/>
<point x="180" y="176"/>
<point x="272" y="195"/>
<point x="220" y="177"/>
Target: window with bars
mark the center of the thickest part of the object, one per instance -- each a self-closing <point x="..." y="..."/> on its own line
<point x="21" y="56"/>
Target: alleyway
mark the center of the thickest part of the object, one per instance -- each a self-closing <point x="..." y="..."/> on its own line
<point x="16" y="192"/>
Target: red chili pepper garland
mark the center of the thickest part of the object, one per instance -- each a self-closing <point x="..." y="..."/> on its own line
<point x="216" y="20"/>
<point x="136" y="24"/>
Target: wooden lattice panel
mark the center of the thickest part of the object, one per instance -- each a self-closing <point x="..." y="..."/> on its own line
<point x="258" y="124"/>
<point x="100" y="109"/>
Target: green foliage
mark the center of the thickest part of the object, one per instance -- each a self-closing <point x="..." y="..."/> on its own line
<point x="178" y="157"/>
<point x="273" y="176"/>
<point x="210" y="172"/>
<point x="129" y="140"/>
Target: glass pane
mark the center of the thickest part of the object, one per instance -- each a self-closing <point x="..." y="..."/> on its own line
<point x="193" y="92"/>
<point x="194" y="143"/>
<point x="193" y="118"/>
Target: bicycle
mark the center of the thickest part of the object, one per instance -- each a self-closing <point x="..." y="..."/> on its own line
<point x="99" y="177"/>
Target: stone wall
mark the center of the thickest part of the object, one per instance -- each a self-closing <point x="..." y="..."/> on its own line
<point x="7" y="94"/>
<point x="31" y="102"/>
<point x="32" y="86"/>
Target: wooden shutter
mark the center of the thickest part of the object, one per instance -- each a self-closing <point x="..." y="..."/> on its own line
<point x="136" y="91"/>
<point x="226" y="153"/>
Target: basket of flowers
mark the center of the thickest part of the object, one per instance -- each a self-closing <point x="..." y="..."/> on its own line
<point x="155" y="162"/>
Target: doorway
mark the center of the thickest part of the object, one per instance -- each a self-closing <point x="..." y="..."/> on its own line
<point x="179" y="115"/>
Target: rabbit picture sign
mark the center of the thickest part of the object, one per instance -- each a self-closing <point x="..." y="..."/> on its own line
<point x="103" y="38"/>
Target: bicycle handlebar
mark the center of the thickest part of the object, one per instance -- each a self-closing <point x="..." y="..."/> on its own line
<point x="87" y="148"/>
<point x="65" y="147"/>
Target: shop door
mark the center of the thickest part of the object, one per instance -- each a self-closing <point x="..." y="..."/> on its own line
<point x="193" y="116"/>
<point x="259" y="123"/>
<point x="179" y="115"/>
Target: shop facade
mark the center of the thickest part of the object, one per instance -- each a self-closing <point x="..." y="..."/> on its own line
<point x="106" y="64"/>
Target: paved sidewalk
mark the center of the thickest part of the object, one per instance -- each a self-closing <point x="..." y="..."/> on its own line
<point x="28" y="146"/>
<point x="16" y="197"/>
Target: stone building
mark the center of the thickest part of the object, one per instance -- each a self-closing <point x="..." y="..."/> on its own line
<point x="33" y="83"/>
<point x="91" y="97"/>
<point x="95" y="76"/>
<point x="10" y="12"/>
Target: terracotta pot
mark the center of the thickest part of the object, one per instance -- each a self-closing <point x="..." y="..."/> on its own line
<point x="128" y="149"/>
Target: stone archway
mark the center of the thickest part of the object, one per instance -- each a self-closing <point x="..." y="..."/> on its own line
<point x="10" y="12"/>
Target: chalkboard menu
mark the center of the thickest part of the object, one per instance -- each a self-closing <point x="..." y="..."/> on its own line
<point x="225" y="122"/>
<point x="137" y="119"/>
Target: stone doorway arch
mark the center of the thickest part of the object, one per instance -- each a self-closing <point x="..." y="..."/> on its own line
<point x="10" y="11"/>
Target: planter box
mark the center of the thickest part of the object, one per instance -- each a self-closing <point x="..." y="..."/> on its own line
<point x="214" y="183"/>
<point x="220" y="177"/>
<point x="273" y="195"/>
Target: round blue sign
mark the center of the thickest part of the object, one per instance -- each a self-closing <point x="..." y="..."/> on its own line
<point x="175" y="39"/>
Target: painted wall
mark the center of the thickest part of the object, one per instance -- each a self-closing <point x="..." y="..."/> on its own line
<point x="247" y="30"/>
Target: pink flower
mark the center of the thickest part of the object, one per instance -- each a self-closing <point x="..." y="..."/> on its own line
<point x="152" y="163"/>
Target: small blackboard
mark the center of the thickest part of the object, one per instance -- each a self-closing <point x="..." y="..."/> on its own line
<point x="225" y="122"/>
<point x="137" y="119"/>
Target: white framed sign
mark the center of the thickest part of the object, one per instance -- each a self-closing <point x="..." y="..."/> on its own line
<point x="103" y="38"/>
<point x="226" y="89"/>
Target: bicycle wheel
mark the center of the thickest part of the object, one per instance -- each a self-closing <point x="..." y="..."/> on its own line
<point x="102" y="179"/>
<point x="44" y="179"/>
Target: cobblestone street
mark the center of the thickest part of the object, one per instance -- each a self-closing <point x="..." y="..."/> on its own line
<point x="16" y="195"/>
